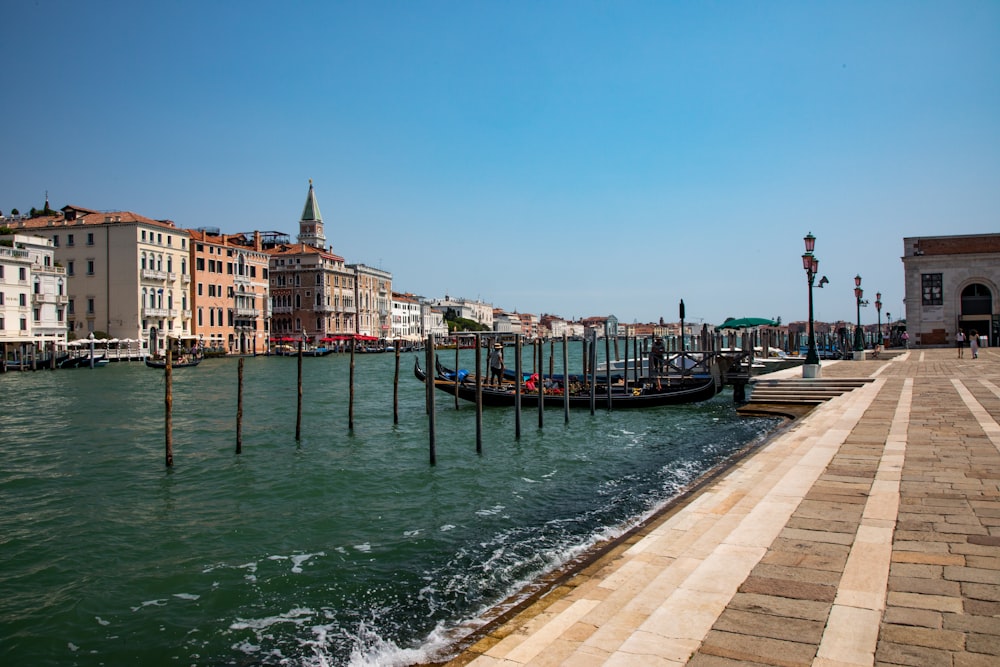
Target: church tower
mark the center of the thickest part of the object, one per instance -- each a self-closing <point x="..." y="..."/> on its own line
<point x="311" y="224"/>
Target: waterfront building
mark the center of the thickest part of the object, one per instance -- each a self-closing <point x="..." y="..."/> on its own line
<point x="507" y="323"/>
<point x="432" y="320"/>
<point x="230" y="304"/>
<point x="477" y="311"/>
<point x="125" y="273"/>
<point x="405" y="317"/>
<point x="952" y="283"/>
<point x="33" y="295"/>
<point x="312" y="291"/>
<point x="373" y="299"/>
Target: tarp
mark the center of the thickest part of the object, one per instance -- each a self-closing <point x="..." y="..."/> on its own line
<point x="747" y="323"/>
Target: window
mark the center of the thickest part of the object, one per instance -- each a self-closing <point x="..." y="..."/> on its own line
<point x="38" y="285"/>
<point x="69" y="268"/>
<point x="931" y="283"/>
<point x="199" y="263"/>
<point x="144" y="235"/>
<point x="201" y="317"/>
<point x="71" y="307"/>
<point x="37" y="314"/>
<point x="90" y="306"/>
<point x="159" y="239"/>
<point x="90" y="267"/>
<point x="200" y="292"/>
<point x="23" y="299"/>
<point x="1" y="298"/>
<point x="55" y="241"/>
<point x="143" y="264"/>
<point x="1" y="323"/>
<point x="90" y="238"/>
<point x="170" y="263"/>
<point x="59" y="314"/>
<point x="69" y="239"/>
<point x="170" y="240"/>
<point x="22" y="273"/>
<point x="24" y="324"/>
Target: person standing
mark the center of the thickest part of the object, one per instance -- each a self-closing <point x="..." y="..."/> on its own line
<point x="496" y="364"/>
<point x="974" y="343"/>
<point x="656" y="356"/>
<point x="906" y="340"/>
<point x="960" y="343"/>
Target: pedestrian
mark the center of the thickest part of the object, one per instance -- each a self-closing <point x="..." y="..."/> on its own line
<point x="496" y="364"/>
<point x="960" y="343"/>
<point x="656" y="356"/>
<point x="974" y="343"/>
<point x="906" y="340"/>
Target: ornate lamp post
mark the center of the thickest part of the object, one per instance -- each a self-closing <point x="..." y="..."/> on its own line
<point x="859" y="337"/>
<point x="811" y="264"/>
<point x="878" y="310"/>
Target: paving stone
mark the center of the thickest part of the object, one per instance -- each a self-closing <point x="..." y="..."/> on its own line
<point x="972" y="574"/>
<point x="948" y="640"/>
<point x="758" y="649"/>
<point x="919" y="617"/>
<point x="982" y="643"/>
<point x="763" y="625"/>
<point x="988" y="625"/>
<point x="781" y="607"/>
<point x="982" y="591"/>
<point x="925" y="586"/>
<point x="788" y="589"/>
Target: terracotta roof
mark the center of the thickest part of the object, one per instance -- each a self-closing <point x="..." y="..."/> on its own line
<point x="286" y="249"/>
<point x="93" y="218"/>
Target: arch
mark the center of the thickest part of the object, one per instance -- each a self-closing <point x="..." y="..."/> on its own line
<point x="976" y="299"/>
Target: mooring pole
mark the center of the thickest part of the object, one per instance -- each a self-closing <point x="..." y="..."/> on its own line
<point x="519" y="376"/>
<point x="607" y="365"/>
<point x="593" y="372"/>
<point x="350" y="392"/>
<point x="552" y="357"/>
<point x="298" y="403"/>
<point x="541" y="382"/>
<point x="456" y="369"/>
<point x="565" y="361"/>
<point x="479" y="392"/>
<point x="395" y="388"/>
<point x="239" y="407"/>
<point x="168" y="403"/>
<point x="429" y="380"/>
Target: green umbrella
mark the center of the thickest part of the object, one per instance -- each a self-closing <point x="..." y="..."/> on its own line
<point x="747" y="323"/>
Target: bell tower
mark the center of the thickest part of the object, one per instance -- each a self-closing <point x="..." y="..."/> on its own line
<point x="311" y="224"/>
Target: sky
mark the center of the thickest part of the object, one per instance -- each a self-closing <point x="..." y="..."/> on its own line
<point x="575" y="158"/>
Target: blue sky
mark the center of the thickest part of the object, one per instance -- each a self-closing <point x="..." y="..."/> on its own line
<point x="577" y="158"/>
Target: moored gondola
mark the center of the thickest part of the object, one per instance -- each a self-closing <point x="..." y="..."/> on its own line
<point x="678" y="391"/>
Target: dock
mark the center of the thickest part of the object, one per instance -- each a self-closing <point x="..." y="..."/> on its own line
<point x="867" y="531"/>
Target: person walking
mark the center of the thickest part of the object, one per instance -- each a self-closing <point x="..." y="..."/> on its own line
<point x="906" y="340"/>
<point x="960" y="343"/>
<point x="974" y="343"/>
<point x="496" y="364"/>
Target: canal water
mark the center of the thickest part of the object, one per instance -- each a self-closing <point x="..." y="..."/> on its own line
<point x="342" y="548"/>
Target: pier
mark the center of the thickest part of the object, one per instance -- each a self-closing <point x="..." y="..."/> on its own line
<point x="866" y="532"/>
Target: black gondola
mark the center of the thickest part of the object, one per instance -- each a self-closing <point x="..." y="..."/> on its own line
<point x="677" y="391"/>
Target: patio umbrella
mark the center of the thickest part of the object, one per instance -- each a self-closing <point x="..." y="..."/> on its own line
<point x="747" y="323"/>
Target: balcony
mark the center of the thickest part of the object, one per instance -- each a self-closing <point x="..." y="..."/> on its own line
<point x="155" y="312"/>
<point x="282" y="310"/>
<point x="186" y="314"/>
<point x="171" y="276"/>
<point x="186" y="279"/>
<point x="40" y="298"/>
<point x="150" y="274"/>
<point x="247" y="312"/>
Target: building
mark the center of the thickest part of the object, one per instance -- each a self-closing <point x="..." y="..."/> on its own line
<point x="477" y="311"/>
<point x="229" y="275"/>
<point x="406" y="317"/>
<point x="312" y="291"/>
<point x="373" y="298"/>
<point x="33" y="298"/>
<point x="126" y="274"/>
<point x="952" y="283"/>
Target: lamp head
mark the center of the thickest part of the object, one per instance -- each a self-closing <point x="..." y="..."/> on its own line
<point x="810" y="242"/>
<point x="807" y="260"/>
<point x="857" y="281"/>
<point x="858" y="292"/>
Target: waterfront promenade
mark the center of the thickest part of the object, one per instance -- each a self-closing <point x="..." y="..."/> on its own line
<point x="868" y="532"/>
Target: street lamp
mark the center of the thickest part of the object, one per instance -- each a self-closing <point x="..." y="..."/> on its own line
<point x="859" y="337"/>
<point x="811" y="264"/>
<point x="878" y="310"/>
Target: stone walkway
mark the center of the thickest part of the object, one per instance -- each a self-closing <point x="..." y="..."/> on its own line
<point x="868" y="533"/>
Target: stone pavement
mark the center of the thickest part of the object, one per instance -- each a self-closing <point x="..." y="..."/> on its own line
<point x="867" y="533"/>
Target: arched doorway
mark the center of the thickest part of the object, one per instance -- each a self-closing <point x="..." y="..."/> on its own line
<point x="977" y="312"/>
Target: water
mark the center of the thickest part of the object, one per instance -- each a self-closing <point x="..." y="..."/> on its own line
<point x="342" y="548"/>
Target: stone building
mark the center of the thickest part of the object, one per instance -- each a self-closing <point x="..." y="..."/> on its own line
<point x="952" y="283"/>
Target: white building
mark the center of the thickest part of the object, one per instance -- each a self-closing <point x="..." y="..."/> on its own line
<point x="476" y="311"/>
<point x="33" y="297"/>
<point x="504" y="322"/>
<point x="405" y="317"/>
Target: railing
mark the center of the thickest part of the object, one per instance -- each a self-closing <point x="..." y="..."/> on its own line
<point x="247" y="312"/>
<point x="185" y="278"/>
<point x="155" y="312"/>
<point x="282" y="310"/>
<point x="13" y="252"/>
<point x="151" y="274"/>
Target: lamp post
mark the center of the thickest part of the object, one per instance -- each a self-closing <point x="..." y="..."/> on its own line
<point x="811" y="264"/>
<point x="888" y="325"/>
<point x="878" y="311"/>
<point x="859" y="337"/>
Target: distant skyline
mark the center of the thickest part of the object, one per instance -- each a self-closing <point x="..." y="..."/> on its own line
<point x="574" y="158"/>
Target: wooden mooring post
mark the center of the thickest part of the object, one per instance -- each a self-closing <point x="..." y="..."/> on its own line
<point x="540" y="344"/>
<point x="565" y="363"/>
<point x="168" y="405"/>
<point x="479" y="392"/>
<point x="350" y="392"/>
<point x="429" y="386"/>
<point x="395" y="388"/>
<point x="298" y="403"/>
<point x="239" y="407"/>
<point x="518" y="373"/>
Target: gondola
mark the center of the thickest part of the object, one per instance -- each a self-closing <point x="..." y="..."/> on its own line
<point x="162" y="363"/>
<point x="676" y="392"/>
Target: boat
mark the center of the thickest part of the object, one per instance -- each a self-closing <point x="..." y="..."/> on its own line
<point x="162" y="362"/>
<point x="645" y="394"/>
<point x="83" y="361"/>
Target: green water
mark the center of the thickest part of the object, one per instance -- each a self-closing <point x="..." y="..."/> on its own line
<point x="341" y="548"/>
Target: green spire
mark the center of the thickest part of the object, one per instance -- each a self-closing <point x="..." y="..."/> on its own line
<point x="311" y="210"/>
